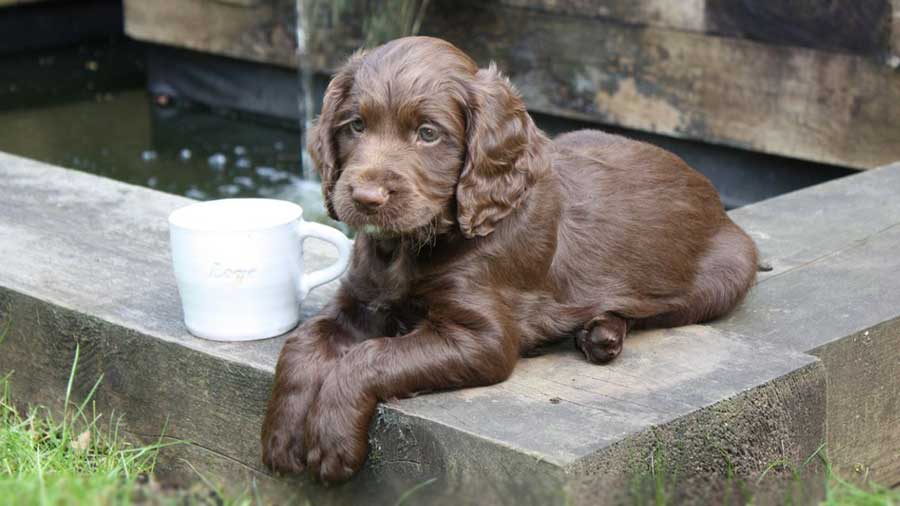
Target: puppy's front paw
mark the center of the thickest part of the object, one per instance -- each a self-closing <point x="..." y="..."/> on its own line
<point x="283" y="448"/>
<point x="337" y="430"/>
<point x="602" y="338"/>
<point x="282" y="451"/>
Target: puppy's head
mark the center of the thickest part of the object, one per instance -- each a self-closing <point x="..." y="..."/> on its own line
<point x="414" y="139"/>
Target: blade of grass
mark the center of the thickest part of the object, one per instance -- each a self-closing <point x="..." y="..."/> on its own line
<point x="65" y="417"/>
<point x="409" y="493"/>
<point x="88" y="398"/>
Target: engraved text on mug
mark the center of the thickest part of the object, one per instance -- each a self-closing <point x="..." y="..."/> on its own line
<point x="219" y="271"/>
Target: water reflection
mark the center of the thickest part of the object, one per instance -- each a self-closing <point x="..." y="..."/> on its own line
<point x="188" y="151"/>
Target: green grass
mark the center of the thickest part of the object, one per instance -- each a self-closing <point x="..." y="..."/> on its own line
<point x="79" y="457"/>
<point x="839" y="492"/>
<point x="657" y="482"/>
<point x="843" y="493"/>
<point x="75" y="458"/>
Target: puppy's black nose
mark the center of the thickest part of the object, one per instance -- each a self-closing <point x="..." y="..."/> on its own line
<point x="370" y="197"/>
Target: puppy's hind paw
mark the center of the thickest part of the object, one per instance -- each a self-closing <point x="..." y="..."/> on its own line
<point x="602" y="338"/>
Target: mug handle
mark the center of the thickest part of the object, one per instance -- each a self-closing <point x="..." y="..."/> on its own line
<point x="308" y="281"/>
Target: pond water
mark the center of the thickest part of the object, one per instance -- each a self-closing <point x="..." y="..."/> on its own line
<point x="86" y="107"/>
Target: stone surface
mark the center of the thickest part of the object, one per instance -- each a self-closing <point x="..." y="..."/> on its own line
<point x="85" y="261"/>
<point x="813" y="223"/>
<point x="834" y="292"/>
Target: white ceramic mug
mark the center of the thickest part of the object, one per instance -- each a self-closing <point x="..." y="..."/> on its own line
<point x="239" y="266"/>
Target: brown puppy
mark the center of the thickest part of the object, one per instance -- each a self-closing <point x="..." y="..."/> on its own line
<point x="479" y="239"/>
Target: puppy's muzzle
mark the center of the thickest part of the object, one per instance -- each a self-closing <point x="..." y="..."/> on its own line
<point x="369" y="197"/>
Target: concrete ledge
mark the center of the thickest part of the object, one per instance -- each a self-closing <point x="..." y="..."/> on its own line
<point x="811" y="356"/>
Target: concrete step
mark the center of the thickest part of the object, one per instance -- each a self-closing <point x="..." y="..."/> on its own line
<point x="813" y="356"/>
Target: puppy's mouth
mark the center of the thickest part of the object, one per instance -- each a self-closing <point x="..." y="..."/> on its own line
<point x="379" y="232"/>
<point x="418" y="232"/>
<point x="381" y="223"/>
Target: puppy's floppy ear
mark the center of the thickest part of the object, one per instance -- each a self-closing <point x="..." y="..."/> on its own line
<point x="320" y="143"/>
<point x="505" y="154"/>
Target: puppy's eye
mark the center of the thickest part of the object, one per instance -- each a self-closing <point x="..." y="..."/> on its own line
<point x="357" y="125"/>
<point x="427" y="133"/>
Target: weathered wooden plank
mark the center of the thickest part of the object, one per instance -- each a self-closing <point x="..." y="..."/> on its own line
<point x="814" y="105"/>
<point x="259" y="30"/>
<point x="243" y="28"/>
<point x="832" y="108"/>
<point x="836" y="216"/>
<point x="806" y="301"/>
<point x="863" y="413"/>
<point x="860" y="27"/>
<point x="688" y="15"/>
<point x="267" y="31"/>
<point x="860" y="397"/>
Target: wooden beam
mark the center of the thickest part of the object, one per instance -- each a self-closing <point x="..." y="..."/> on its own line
<point x="259" y="30"/>
<point x="686" y="15"/>
<point x="263" y="31"/>
<point x="827" y="107"/>
<point x="859" y="27"/>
